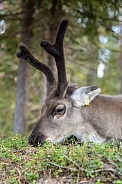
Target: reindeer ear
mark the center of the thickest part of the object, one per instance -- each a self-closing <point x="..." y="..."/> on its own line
<point x="84" y="95"/>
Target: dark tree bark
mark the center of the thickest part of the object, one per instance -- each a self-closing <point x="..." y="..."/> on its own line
<point x="120" y="59"/>
<point x="45" y="36"/>
<point x="21" y="90"/>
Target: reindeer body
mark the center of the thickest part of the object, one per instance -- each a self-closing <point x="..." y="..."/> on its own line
<point x="104" y="116"/>
<point x="66" y="111"/>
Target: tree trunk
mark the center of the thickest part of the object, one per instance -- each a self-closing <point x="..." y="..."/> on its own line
<point x="21" y="90"/>
<point x="45" y="36"/>
<point x="120" y="59"/>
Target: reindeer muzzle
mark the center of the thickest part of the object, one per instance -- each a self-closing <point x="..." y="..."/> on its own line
<point x="36" y="139"/>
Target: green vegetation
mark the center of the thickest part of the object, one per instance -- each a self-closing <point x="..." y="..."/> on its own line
<point x="71" y="163"/>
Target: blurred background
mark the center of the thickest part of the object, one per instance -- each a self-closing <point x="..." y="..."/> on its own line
<point x="92" y="45"/>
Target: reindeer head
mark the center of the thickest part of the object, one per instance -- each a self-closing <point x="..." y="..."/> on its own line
<point x="61" y="112"/>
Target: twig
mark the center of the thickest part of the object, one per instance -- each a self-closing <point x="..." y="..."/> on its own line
<point x="111" y="162"/>
<point x="63" y="167"/>
<point x="119" y="159"/>
<point x="77" y="165"/>
<point x="107" y="170"/>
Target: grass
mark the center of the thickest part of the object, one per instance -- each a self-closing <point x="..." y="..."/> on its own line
<point x="53" y="164"/>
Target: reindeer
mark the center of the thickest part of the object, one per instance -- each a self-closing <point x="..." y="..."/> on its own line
<point x="69" y="110"/>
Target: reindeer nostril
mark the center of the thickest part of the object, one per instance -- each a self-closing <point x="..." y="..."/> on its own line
<point x="43" y="43"/>
<point x="36" y="139"/>
<point x="32" y="139"/>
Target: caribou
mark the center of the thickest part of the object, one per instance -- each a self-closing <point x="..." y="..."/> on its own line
<point x="69" y="110"/>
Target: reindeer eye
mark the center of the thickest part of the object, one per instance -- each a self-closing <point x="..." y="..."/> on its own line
<point x="60" y="109"/>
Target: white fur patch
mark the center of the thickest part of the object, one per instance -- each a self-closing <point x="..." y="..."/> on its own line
<point x="89" y="137"/>
<point x="81" y="98"/>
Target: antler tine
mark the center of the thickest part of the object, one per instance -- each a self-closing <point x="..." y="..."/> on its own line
<point x="56" y="50"/>
<point x="25" y="54"/>
<point x="61" y="32"/>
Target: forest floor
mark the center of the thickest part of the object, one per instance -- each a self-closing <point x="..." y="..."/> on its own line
<point x="73" y="163"/>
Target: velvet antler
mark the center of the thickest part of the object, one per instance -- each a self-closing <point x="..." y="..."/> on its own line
<point x="25" y="54"/>
<point x="56" y="50"/>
